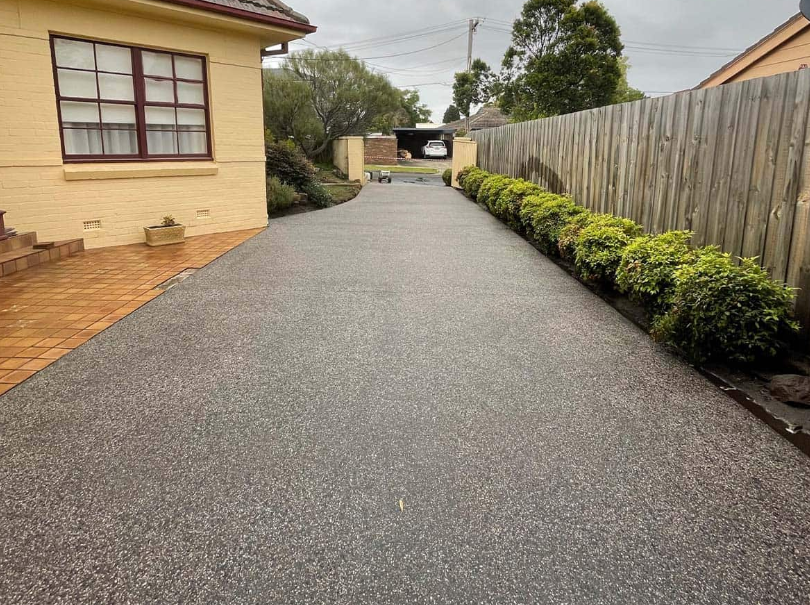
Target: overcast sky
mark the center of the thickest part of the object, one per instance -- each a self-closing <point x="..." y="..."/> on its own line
<point x="672" y="45"/>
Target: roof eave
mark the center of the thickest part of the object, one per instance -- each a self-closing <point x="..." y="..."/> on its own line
<point x="305" y="28"/>
<point x="750" y="55"/>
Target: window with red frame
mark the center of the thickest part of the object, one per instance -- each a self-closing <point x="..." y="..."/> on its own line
<point x="123" y="102"/>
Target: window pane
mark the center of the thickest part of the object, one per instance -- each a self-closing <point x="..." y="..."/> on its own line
<point x="82" y="142"/>
<point x="71" y="53"/>
<point x="79" y="115"/>
<point x="118" y="116"/>
<point x="161" y="143"/>
<point x="77" y="84"/>
<point x="160" y="118"/>
<point x="191" y="119"/>
<point x="192" y="142"/>
<point x="190" y="93"/>
<point x="188" y="68"/>
<point x="114" y="58"/>
<point x="120" y="142"/>
<point x="157" y="64"/>
<point x="116" y="88"/>
<point x="160" y="91"/>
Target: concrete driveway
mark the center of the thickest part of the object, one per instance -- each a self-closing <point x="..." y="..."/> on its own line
<point x="396" y="400"/>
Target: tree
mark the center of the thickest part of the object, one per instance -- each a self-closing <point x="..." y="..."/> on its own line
<point x="451" y="114"/>
<point x="416" y="111"/>
<point x="331" y="89"/>
<point x="563" y="58"/>
<point x="473" y="87"/>
<point x="624" y="92"/>
<point x="288" y="110"/>
<point x="408" y="113"/>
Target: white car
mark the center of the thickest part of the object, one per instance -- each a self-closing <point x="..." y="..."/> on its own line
<point x="434" y="149"/>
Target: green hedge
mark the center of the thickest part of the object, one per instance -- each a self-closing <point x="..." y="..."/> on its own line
<point x="491" y="189"/>
<point x="721" y="310"/>
<point x="544" y="217"/>
<point x="447" y="177"/>
<point x="647" y="269"/>
<point x="699" y="299"/>
<point x="507" y="206"/>
<point x="600" y="244"/>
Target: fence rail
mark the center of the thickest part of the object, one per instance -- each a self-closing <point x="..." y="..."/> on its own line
<point x="729" y="163"/>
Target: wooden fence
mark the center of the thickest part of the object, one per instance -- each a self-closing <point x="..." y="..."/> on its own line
<point x="729" y="163"/>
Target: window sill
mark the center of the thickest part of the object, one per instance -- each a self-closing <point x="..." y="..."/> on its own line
<point x="88" y="172"/>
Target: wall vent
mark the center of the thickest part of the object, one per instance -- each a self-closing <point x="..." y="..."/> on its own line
<point x="92" y="225"/>
<point x="203" y="214"/>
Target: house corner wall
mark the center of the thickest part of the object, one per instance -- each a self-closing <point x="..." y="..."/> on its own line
<point x="41" y="193"/>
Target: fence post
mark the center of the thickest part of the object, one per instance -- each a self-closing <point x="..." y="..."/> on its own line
<point x="465" y="153"/>
<point x="348" y="156"/>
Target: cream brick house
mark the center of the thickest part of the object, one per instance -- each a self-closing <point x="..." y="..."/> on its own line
<point x="114" y="113"/>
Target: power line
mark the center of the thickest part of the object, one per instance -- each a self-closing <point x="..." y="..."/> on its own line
<point x="403" y="36"/>
<point x="412" y="52"/>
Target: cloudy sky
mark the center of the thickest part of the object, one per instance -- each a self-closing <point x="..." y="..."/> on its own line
<point x="672" y="44"/>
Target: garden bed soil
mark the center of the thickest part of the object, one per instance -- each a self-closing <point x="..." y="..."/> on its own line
<point x="301" y="207"/>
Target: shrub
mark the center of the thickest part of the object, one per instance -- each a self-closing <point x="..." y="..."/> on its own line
<point x="725" y="311"/>
<point x="566" y="242"/>
<point x="647" y="269"/>
<point x="600" y="245"/>
<point x="447" y="177"/>
<point x="473" y="182"/>
<point x="317" y="195"/>
<point x="289" y="164"/>
<point x="491" y="188"/>
<point x="549" y="219"/>
<point x="279" y="195"/>
<point x="462" y="174"/>
<point x="509" y="202"/>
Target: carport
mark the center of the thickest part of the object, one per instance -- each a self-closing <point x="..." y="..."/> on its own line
<point x="413" y="139"/>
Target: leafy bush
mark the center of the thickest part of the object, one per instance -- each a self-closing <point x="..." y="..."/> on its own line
<point x="473" y="182"/>
<point x="647" y="269"/>
<point x="317" y="195"/>
<point x="491" y="188"/>
<point x="725" y="311"/>
<point x="462" y="174"/>
<point x="279" y="195"/>
<point x="600" y="245"/>
<point x="447" y="177"/>
<point x="566" y="242"/>
<point x="599" y="250"/>
<point x="509" y="202"/>
<point x="285" y="161"/>
<point x="549" y="218"/>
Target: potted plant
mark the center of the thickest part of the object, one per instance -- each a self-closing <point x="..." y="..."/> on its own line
<point x="168" y="232"/>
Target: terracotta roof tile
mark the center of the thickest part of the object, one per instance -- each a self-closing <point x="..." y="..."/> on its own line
<point x="269" y="8"/>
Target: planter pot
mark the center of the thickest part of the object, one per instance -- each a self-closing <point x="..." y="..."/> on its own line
<point x="163" y="236"/>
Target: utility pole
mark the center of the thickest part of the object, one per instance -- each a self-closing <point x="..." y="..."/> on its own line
<point x="473" y="25"/>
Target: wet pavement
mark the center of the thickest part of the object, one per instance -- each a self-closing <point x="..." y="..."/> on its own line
<point x="396" y="400"/>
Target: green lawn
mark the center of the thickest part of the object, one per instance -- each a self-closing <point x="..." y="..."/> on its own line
<point x="409" y="169"/>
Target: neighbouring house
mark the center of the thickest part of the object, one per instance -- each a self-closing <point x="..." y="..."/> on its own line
<point x="785" y="49"/>
<point x="488" y="116"/>
<point x="118" y="112"/>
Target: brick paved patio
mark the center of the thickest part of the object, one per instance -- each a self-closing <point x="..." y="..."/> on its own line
<point x="48" y="310"/>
